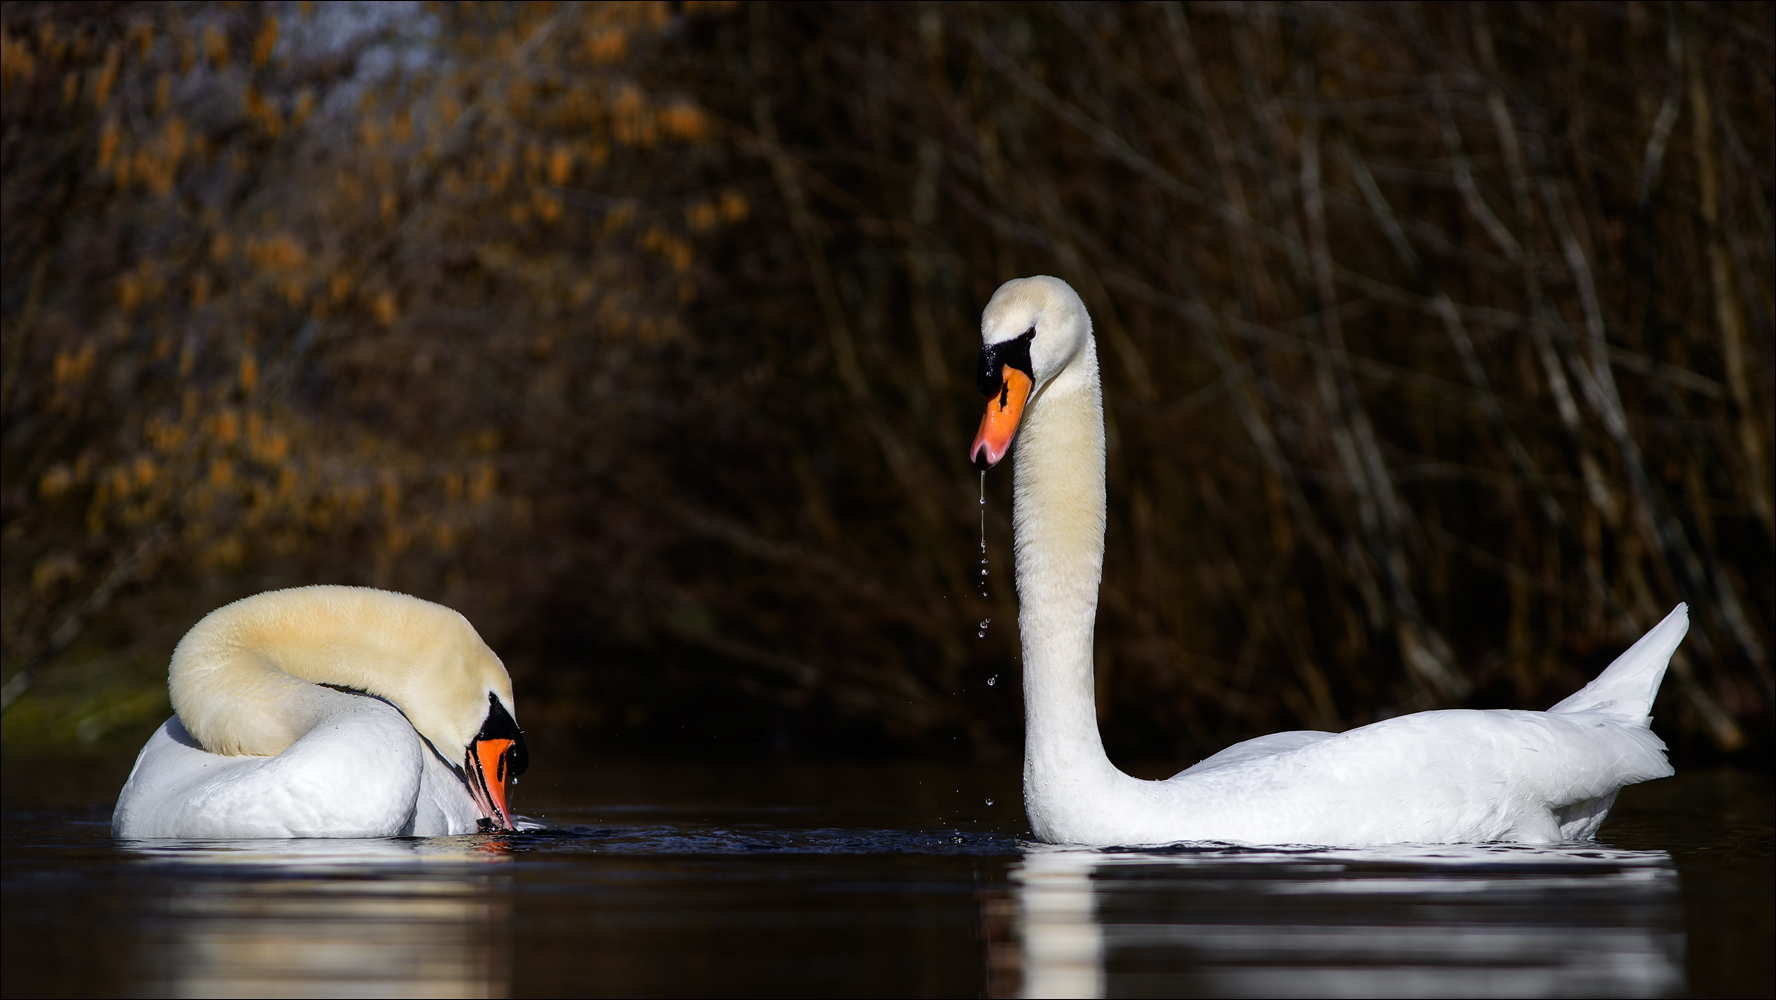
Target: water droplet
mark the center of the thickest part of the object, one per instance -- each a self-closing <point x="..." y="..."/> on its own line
<point x="985" y="622"/>
<point x="992" y="680"/>
<point x="989" y="802"/>
<point x="956" y="840"/>
<point x="980" y="635"/>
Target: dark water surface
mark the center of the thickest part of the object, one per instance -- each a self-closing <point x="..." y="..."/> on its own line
<point x="747" y="879"/>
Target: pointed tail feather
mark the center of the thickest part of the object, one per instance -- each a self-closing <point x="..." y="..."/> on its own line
<point x="1627" y="686"/>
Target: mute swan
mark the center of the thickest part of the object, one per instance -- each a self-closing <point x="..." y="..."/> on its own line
<point x="328" y="712"/>
<point x="1434" y="777"/>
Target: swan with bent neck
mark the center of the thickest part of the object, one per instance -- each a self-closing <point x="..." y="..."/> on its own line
<point x="328" y="712"/>
<point x="1453" y="776"/>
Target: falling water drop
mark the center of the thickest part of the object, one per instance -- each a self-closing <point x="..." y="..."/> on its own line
<point x="992" y="680"/>
<point x="983" y="531"/>
<point x="982" y="634"/>
<point x="989" y="802"/>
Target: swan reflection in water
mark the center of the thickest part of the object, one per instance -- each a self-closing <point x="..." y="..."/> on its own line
<point x="329" y="917"/>
<point x="1486" y="920"/>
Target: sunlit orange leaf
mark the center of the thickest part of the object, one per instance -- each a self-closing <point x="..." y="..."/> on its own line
<point x="385" y="307"/>
<point x="216" y="46"/>
<point x="266" y="41"/>
<point x="55" y="481"/>
<point x="107" y="76"/>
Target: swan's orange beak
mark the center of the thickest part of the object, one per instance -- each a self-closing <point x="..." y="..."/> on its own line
<point x="999" y="425"/>
<point x="492" y="775"/>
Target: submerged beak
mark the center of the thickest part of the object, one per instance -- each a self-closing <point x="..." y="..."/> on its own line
<point x="999" y="425"/>
<point x="489" y="774"/>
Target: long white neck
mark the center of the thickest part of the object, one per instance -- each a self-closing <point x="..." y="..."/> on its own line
<point x="1058" y="511"/>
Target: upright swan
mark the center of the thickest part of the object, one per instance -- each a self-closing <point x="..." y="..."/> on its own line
<point x="328" y="712"/>
<point x="1434" y="777"/>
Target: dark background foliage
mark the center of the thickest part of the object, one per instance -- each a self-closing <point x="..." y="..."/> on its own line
<point x="1437" y="352"/>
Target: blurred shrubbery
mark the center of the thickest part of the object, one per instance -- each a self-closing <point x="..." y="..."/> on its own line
<point x="1436" y="339"/>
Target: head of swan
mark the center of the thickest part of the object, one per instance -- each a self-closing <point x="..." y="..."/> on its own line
<point x="242" y="680"/>
<point x="1031" y="331"/>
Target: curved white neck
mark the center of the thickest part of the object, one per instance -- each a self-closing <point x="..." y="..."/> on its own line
<point x="1058" y="512"/>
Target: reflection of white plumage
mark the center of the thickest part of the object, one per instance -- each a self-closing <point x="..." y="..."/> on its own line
<point x="328" y="712"/>
<point x="1433" y="777"/>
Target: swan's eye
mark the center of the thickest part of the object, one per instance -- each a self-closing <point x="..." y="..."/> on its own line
<point x="990" y="376"/>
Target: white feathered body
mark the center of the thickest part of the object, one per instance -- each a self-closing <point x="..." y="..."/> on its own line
<point x="361" y="771"/>
<point x="1434" y="777"/>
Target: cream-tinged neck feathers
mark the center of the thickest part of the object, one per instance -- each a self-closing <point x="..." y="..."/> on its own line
<point x="1058" y="515"/>
<point x="242" y="679"/>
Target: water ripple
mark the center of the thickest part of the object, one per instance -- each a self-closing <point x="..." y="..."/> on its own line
<point x="667" y="839"/>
